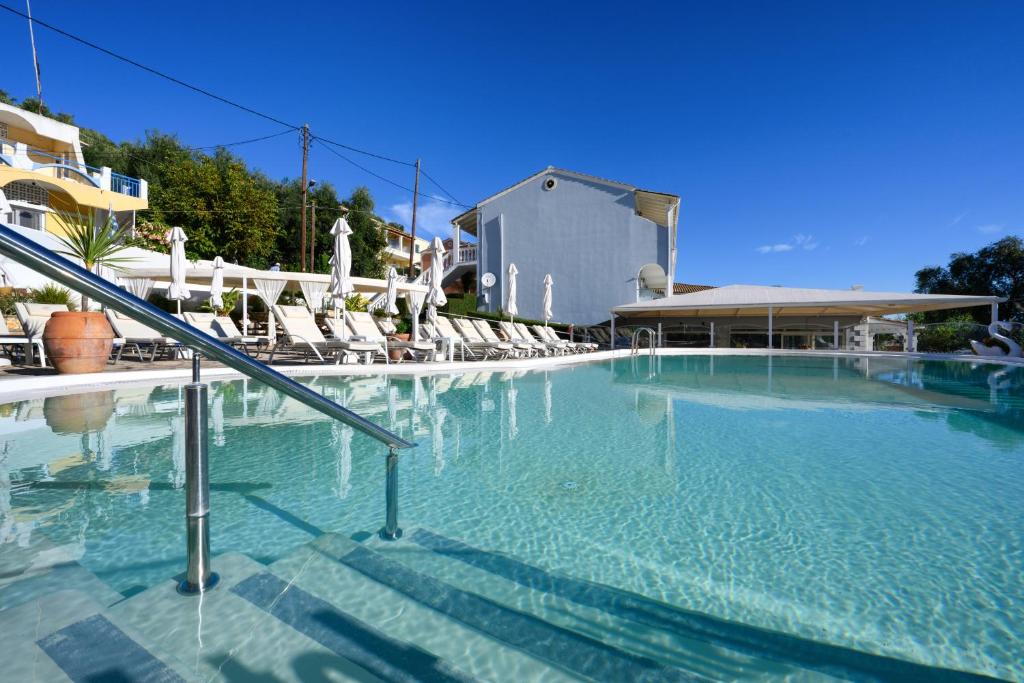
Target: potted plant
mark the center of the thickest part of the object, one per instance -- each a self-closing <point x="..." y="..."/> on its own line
<point x="80" y="341"/>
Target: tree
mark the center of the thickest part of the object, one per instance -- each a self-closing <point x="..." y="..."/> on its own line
<point x="367" y="238"/>
<point x="995" y="269"/>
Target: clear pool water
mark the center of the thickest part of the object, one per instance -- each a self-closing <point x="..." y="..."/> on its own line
<point x="872" y="503"/>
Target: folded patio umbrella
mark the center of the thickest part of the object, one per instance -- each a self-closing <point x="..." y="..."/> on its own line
<point x="341" y="270"/>
<point x="177" y="290"/>
<point x="510" y="302"/>
<point x="435" y="294"/>
<point x="217" y="283"/>
<point x="546" y="302"/>
<point x="390" y="300"/>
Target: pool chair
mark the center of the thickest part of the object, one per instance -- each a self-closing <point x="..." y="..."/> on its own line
<point x="33" y="319"/>
<point x="446" y="345"/>
<point x="302" y="334"/>
<point x="14" y="341"/>
<point x="477" y="346"/>
<point x="223" y="329"/>
<point x="559" y="347"/>
<point x="547" y="334"/>
<point x="363" y="327"/>
<point x="521" y="348"/>
<point x="516" y="337"/>
<point x="138" y="337"/>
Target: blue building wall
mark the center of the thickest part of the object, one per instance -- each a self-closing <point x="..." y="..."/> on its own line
<point x="586" y="234"/>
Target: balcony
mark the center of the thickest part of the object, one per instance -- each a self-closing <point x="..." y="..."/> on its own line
<point x="20" y="156"/>
<point x="466" y="254"/>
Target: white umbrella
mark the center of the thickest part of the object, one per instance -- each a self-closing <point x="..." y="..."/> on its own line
<point x="217" y="284"/>
<point x="390" y="302"/>
<point x="546" y="303"/>
<point x="435" y="295"/>
<point x="177" y="290"/>
<point x="510" y="302"/>
<point x="341" y="270"/>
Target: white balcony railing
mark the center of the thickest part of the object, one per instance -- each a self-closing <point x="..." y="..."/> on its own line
<point x="466" y="255"/>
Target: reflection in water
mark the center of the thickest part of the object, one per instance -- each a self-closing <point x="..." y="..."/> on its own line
<point x="342" y="435"/>
<point x="177" y="475"/>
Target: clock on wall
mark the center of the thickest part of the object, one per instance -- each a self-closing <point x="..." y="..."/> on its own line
<point x="488" y="279"/>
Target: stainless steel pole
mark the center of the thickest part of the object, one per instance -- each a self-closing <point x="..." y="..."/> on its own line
<point x="391" y="532"/>
<point x="199" y="577"/>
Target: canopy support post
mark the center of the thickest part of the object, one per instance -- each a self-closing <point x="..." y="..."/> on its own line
<point x="612" y="344"/>
<point x="835" y="335"/>
<point x="771" y="328"/>
<point x="245" y="305"/>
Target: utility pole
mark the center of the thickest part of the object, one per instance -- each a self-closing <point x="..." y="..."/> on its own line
<point x="312" y="240"/>
<point x="412" y="242"/>
<point x="305" y="190"/>
<point x="35" y="57"/>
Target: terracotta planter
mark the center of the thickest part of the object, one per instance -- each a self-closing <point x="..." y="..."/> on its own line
<point x="78" y="342"/>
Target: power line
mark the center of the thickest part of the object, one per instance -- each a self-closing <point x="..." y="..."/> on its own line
<point x="450" y="195"/>
<point x="363" y="151"/>
<point x="392" y="182"/>
<point x="155" y="72"/>
<point x="244" y="142"/>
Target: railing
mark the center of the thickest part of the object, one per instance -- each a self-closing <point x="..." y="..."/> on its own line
<point x="635" y="341"/>
<point x="466" y="255"/>
<point x="122" y="184"/>
<point x="67" y="168"/>
<point x="71" y="275"/>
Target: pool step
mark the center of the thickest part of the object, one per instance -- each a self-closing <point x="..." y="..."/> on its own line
<point x="480" y="637"/>
<point x="68" y="636"/>
<point x="698" y="642"/>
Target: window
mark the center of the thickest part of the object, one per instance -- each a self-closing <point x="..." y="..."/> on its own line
<point x="27" y="192"/>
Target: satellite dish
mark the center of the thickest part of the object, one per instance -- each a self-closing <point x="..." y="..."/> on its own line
<point x="488" y="279"/>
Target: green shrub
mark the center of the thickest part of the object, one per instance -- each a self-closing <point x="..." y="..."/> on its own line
<point x="53" y="294"/>
<point x="10" y="296"/>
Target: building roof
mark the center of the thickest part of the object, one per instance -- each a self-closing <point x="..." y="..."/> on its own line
<point x="660" y="207"/>
<point x="755" y="300"/>
<point x="683" y="288"/>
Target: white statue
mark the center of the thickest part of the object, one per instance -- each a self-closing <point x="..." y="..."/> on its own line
<point x="996" y="350"/>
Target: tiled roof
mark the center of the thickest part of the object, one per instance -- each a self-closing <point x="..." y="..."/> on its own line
<point x="683" y="288"/>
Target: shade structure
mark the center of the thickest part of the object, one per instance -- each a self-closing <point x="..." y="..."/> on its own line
<point x="141" y="287"/>
<point x="177" y="290"/>
<point x="510" y="299"/>
<point x="756" y="300"/>
<point x="217" y="283"/>
<point x="313" y="292"/>
<point x="341" y="269"/>
<point x="546" y="302"/>
<point x="268" y="291"/>
<point x="5" y="206"/>
<point x="391" y="298"/>
<point x="435" y="292"/>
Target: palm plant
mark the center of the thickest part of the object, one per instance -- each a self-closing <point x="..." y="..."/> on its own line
<point x="94" y="245"/>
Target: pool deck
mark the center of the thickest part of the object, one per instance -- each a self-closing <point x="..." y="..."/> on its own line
<point x="20" y="382"/>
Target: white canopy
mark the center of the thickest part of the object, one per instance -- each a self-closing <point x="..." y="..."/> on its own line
<point x="755" y="300"/>
<point x="269" y="291"/>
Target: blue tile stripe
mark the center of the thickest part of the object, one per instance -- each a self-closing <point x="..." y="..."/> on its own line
<point x="345" y="635"/>
<point x="553" y="644"/>
<point x="749" y="640"/>
<point x="94" y="650"/>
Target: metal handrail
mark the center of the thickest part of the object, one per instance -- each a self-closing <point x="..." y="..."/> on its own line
<point x="635" y="344"/>
<point x="73" y="276"/>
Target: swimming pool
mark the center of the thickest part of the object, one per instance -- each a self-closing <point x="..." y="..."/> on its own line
<point x="874" y="505"/>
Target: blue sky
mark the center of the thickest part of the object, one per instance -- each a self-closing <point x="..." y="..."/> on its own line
<point x="813" y="143"/>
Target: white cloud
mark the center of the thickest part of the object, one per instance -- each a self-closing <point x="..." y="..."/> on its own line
<point x="989" y="228"/>
<point x="775" y="248"/>
<point x="433" y="216"/>
<point x="805" y="242"/>
<point x="799" y="241"/>
<point x="862" y="241"/>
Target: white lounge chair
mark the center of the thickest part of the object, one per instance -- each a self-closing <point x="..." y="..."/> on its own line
<point x="471" y="338"/>
<point x="516" y="336"/>
<point x="364" y="327"/>
<point x="30" y="347"/>
<point x="547" y="334"/>
<point x="301" y="333"/>
<point x="137" y="336"/>
<point x="33" y="319"/>
<point x="522" y="348"/>
<point x="223" y="329"/>
<point x="559" y="347"/>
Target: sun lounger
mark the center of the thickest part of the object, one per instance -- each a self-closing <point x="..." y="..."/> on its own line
<point x="471" y="339"/>
<point x="558" y="347"/>
<point x="302" y="334"/>
<point x="138" y="336"/>
<point x="365" y="328"/>
<point x="17" y="339"/>
<point x="547" y="334"/>
<point x="515" y="336"/>
<point x="223" y="329"/>
<point x="522" y="348"/>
